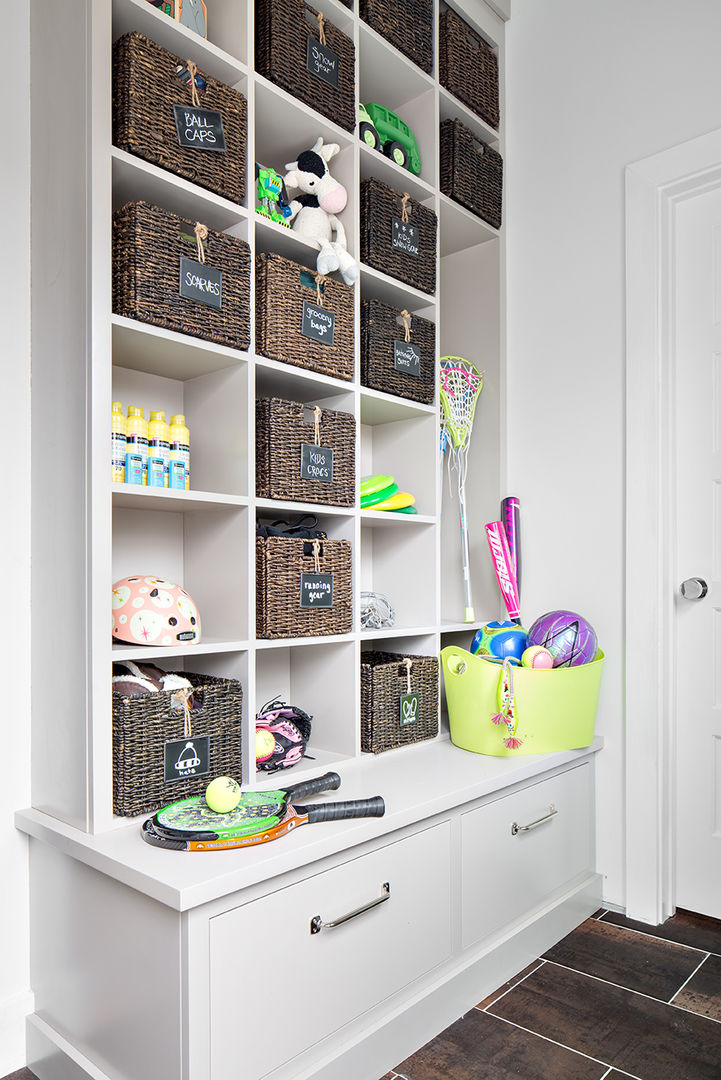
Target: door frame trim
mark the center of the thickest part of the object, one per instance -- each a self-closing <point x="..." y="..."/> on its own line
<point x="654" y="187"/>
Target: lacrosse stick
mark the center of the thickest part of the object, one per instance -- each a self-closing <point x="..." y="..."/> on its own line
<point x="461" y="385"/>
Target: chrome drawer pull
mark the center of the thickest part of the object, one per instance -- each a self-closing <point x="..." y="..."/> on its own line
<point x="516" y="828"/>
<point x="317" y="924"/>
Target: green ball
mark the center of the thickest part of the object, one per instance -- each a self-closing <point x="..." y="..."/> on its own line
<point x="222" y="794"/>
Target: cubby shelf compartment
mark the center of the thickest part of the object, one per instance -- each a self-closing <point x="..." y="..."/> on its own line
<point x="382" y="519"/>
<point x="386" y="75"/>
<point x="275" y="379"/>
<point x="223" y="19"/>
<point x="262" y="644"/>
<point x="135" y="497"/>
<point x="380" y="408"/>
<point x="300" y="127"/>
<point x="375" y="163"/>
<point x="397" y="631"/>
<point x="265" y="505"/>
<point x="379" y="286"/>
<point x="451" y="108"/>
<point x="275" y="238"/>
<point x="460" y="229"/>
<point x="135" y="180"/>
<point x="206" y="647"/>
<point x="143" y="347"/>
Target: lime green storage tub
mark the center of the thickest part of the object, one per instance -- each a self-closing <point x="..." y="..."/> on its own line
<point x="555" y="709"/>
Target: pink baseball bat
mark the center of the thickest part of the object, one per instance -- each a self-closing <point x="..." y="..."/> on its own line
<point x="503" y="565"/>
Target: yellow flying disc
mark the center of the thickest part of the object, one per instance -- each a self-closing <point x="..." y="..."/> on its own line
<point x="397" y="502"/>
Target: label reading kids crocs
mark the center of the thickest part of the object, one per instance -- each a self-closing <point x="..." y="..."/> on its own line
<point x="316" y="463"/>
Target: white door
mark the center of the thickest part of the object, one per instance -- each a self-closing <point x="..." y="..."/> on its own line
<point x="697" y="334"/>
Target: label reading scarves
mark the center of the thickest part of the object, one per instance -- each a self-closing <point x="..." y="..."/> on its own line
<point x="201" y="282"/>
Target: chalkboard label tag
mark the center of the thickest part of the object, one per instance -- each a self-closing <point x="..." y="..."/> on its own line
<point x="316" y="590"/>
<point x="201" y="282"/>
<point x="322" y="61"/>
<point x="407" y="358"/>
<point x="316" y="463"/>
<point x="404" y="237"/>
<point x="318" y="323"/>
<point x="186" y="757"/>
<point x="200" y="128"/>
<point x="410" y="709"/>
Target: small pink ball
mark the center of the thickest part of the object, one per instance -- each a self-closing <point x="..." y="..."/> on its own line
<point x="535" y="656"/>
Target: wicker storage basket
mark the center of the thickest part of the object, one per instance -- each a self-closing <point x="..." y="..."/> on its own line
<point x="280" y="561"/>
<point x="468" y="66"/>
<point x="384" y="681"/>
<point x="471" y="172"/>
<point x="143" y="725"/>
<point x="381" y="368"/>
<point x="407" y="24"/>
<point x="281" y="429"/>
<point x="146" y="86"/>
<point x="282" y="30"/>
<point x="382" y="211"/>
<point x="148" y="243"/>
<point x="282" y="290"/>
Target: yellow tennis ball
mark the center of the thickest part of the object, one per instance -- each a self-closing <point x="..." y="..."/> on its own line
<point x="264" y="744"/>
<point x="222" y="794"/>
<point x="535" y="656"/>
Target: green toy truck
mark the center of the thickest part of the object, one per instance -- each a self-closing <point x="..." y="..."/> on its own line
<point x="381" y="129"/>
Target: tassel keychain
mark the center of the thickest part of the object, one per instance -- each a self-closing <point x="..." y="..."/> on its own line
<point x="507" y="715"/>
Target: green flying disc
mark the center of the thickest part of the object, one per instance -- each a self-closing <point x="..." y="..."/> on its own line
<point x="378" y="496"/>
<point x="369" y="485"/>
<point x="404" y="510"/>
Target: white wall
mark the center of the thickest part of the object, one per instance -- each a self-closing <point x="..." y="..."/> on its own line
<point x="15" y="997"/>
<point x="591" y="87"/>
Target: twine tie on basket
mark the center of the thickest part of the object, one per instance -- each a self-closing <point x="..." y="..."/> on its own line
<point x="319" y="280"/>
<point x="317" y="413"/>
<point x="201" y="234"/>
<point x="404" y="208"/>
<point x="408" y="663"/>
<point x="406" y="316"/>
<point x="316" y="549"/>
<point x="193" y="71"/>
<point x="187" y="726"/>
<point x="321" y="30"/>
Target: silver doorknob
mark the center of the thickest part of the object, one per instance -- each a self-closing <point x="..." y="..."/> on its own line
<point x="694" y="588"/>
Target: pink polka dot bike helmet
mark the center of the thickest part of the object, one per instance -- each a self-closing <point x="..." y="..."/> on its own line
<point x="151" y="611"/>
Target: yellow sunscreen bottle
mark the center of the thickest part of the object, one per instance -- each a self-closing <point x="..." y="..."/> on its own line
<point x="136" y="446"/>
<point x="117" y="442"/>
<point x="158" y="450"/>
<point x="179" y="453"/>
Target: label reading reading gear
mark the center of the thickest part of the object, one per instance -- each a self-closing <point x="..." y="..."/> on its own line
<point x="316" y="463"/>
<point x="404" y="237"/>
<point x="322" y="61"/>
<point x="198" y="281"/>
<point x="186" y="757"/>
<point x="200" y="128"/>
<point x="316" y="590"/>
<point x="318" y="323"/>
<point x="407" y="358"/>
<point x="409" y="709"/>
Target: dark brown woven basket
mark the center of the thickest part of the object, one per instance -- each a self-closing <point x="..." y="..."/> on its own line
<point x="281" y="38"/>
<point x="381" y="327"/>
<point x="384" y="681"/>
<point x="380" y="205"/>
<point x="281" y="428"/>
<point x="471" y="172"/>
<point x="148" y="243"/>
<point x="143" y="725"/>
<point x="145" y="89"/>
<point x="280" y="561"/>
<point x="281" y="288"/>
<point x="468" y="66"/>
<point x="407" y="24"/>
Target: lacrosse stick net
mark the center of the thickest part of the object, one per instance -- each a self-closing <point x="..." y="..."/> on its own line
<point x="460" y="388"/>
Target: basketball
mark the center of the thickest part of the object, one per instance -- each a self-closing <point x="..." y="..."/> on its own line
<point x="498" y="640"/>
<point x="570" y="639"/>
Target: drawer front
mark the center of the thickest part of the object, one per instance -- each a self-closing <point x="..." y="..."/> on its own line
<point x="277" y="988"/>
<point x="507" y="874"/>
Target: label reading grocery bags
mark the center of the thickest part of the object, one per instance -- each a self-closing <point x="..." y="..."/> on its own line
<point x="186" y="757"/>
<point x="200" y="128"/>
<point x="318" y="323"/>
<point x="316" y="463"/>
<point x="407" y="358"/>
<point x="198" y="281"/>
<point x="409" y="709"/>
<point x="316" y="590"/>
<point x="404" y="237"/>
<point x="322" y="61"/>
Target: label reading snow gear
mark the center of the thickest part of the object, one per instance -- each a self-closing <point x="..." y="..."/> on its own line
<point x="187" y="757"/>
<point x="407" y="358"/>
<point x="318" y="323"/>
<point x="201" y="282"/>
<point x="316" y="463"/>
<point x="199" y="128"/>
<point x="316" y="590"/>
<point x="409" y="709"/>
<point x="322" y="61"/>
<point x="404" y="237"/>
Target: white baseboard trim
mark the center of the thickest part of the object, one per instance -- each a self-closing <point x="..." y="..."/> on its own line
<point x="13" y="1014"/>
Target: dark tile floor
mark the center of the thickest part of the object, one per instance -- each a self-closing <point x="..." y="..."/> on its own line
<point x="616" y="998"/>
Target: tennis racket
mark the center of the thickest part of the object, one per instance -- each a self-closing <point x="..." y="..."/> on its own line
<point x="261" y="816"/>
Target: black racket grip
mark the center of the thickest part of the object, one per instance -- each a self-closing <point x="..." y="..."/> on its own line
<point x="150" y="836"/>
<point x="336" y="810"/>
<point x="327" y="782"/>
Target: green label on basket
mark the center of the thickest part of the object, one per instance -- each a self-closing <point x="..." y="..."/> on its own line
<point x="410" y="709"/>
<point x="316" y="463"/>
<point x="322" y="61"/>
<point x="318" y="323"/>
<point x="407" y="358"/>
<point x="184" y="758"/>
<point x="200" y="128"/>
<point x="316" y="590"/>
<point x="404" y="237"/>
<point x="201" y="282"/>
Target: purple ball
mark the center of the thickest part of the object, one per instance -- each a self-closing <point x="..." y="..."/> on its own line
<point x="569" y="638"/>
